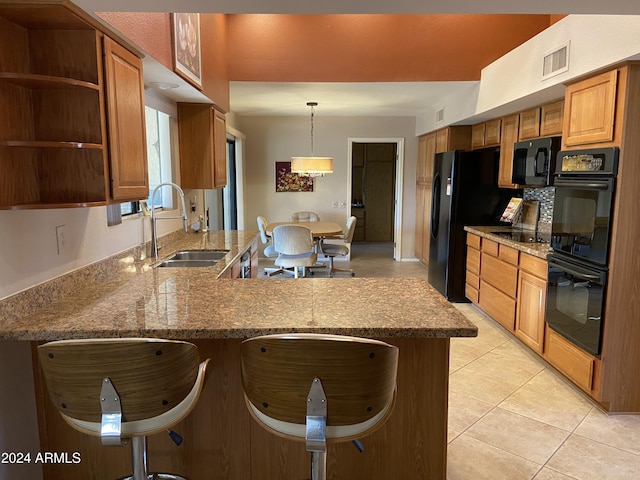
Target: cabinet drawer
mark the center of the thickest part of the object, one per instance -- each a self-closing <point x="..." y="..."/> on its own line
<point x="508" y="254"/>
<point x="471" y="293"/>
<point x="473" y="280"/>
<point x="499" y="306"/>
<point x="490" y="247"/>
<point x="473" y="260"/>
<point x="570" y="360"/>
<point x="501" y="275"/>
<point x="473" y="241"/>
<point x="534" y="265"/>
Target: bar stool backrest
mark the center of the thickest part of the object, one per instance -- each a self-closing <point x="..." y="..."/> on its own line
<point x="151" y="376"/>
<point x="358" y="376"/>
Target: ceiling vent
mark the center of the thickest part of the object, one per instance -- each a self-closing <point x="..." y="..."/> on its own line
<point x="440" y="115"/>
<point x="555" y="62"/>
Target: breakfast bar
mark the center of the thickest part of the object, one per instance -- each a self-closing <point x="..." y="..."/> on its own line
<point x="220" y="438"/>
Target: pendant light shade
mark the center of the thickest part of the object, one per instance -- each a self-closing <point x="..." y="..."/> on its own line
<point x="312" y="166"/>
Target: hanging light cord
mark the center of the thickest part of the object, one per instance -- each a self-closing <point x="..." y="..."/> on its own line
<point x="312" y="130"/>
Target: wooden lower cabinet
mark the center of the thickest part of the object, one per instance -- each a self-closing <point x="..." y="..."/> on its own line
<point x="499" y="282"/>
<point x="570" y="360"/>
<point x="498" y="305"/>
<point x="532" y="293"/>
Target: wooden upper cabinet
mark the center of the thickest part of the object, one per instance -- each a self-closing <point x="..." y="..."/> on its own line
<point x="492" y="133"/>
<point x="589" y="110"/>
<point x="220" y="149"/>
<point x="127" y="130"/>
<point x="551" y="119"/>
<point x="477" y="135"/>
<point x="507" y="140"/>
<point x="453" y="138"/>
<point x="529" y="124"/>
<point x="60" y="99"/>
<point x="203" y="146"/>
<point x="486" y="134"/>
<point x="426" y="151"/>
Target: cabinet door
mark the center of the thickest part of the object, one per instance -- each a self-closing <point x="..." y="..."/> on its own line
<point x="529" y="124"/>
<point x="492" y="133"/>
<point x="220" y="149"/>
<point x="423" y="211"/>
<point x="426" y="151"/>
<point x="127" y="130"/>
<point x="477" y="135"/>
<point x="551" y="119"/>
<point x="507" y="140"/>
<point x="590" y="110"/>
<point x="442" y="140"/>
<point x="530" y="309"/>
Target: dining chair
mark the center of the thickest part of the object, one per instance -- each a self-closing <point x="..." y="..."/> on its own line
<point x="333" y="250"/>
<point x="269" y="251"/>
<point x="294" y="244"/>
<point x="319" y="388"/>
<point x="123" y="389"/>
<point x="304" y="217"/>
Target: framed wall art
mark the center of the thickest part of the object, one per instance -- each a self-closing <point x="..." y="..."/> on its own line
<point x="291" y="182"/>
<point x="187" y="58"/>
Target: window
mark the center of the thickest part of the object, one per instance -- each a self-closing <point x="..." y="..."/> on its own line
<point x="159" y="158"/>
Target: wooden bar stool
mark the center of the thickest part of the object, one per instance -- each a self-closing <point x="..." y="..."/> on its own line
<point x="123" y="388"/>
<point x="318" y="388"/>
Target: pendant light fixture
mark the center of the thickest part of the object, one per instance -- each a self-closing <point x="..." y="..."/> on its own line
<point x="312" y="166"/>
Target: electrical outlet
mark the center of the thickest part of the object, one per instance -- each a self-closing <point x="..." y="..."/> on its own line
<point x="61" y="238"/>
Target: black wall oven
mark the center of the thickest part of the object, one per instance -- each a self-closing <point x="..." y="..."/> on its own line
<point x="585" y="183"/>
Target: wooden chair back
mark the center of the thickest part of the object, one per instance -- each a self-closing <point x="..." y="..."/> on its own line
<point x="151" y="376"/>
<point x="358" y="376"/>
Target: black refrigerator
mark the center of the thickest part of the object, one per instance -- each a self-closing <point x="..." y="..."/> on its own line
<point x="464" y="192"/>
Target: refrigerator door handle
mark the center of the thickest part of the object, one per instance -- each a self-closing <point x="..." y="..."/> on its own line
<point x="435" y="204"/>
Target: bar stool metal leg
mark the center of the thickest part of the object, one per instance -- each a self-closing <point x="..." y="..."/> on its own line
<point x="139" y="458"/>
<point x="318" y="465"/>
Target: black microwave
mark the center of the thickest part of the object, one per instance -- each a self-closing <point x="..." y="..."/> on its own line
<point x="534" y="161"/>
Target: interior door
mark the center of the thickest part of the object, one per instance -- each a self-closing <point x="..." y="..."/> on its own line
<point x="379" y="185"/>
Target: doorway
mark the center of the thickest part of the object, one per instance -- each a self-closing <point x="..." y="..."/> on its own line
<point x="376" y="190"/>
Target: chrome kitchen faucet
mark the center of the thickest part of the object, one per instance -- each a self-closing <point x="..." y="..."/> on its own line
<point x="154" y="234"/>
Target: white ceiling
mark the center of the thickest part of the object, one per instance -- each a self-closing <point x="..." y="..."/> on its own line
<point x="354" y="99"/>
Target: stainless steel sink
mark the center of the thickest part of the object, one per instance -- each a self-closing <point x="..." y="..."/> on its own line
<point x="194" y="258"/>
<point x="200" y="255"/>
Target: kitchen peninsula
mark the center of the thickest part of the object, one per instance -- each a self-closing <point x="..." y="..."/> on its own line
<point x="220" y="439"/>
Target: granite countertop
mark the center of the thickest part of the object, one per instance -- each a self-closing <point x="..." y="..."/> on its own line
<point x="537" y="249"/>
<point x="132" y="298"/>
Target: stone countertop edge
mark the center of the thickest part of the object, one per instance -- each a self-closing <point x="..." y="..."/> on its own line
<point x="192" y="303"/>
<point x="540" y="250"/>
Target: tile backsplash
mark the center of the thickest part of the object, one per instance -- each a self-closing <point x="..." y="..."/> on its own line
<point x="545" y="196"/>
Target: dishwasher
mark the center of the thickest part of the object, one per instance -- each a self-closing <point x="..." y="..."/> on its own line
<point x="245" y="265"/>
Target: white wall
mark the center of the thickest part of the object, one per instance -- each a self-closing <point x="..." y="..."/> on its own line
<point x="514" y="81"/>
<point x="277" y="138"/>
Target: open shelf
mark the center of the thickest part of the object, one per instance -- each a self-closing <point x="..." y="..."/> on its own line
<point x="30" y="80"/>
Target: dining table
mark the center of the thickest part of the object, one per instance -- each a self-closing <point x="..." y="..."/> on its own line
<point x="318" y="229"/>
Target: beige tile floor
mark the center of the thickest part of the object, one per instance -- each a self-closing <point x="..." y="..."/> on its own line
<point x="511" y="416"/>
